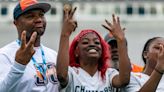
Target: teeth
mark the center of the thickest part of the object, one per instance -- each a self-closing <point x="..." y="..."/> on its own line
<point x="92" y="50"/>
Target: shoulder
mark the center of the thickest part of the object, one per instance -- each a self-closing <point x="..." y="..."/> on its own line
<point x="139" y="75"/>
<point x="138" y="78"/>
<point x="74" y="70"/>
<point x="49" y="50"/>
<point x="111" y="71"/>
<point x="8" y="52"/>
<point x="50" y="54"/>
<point x="9" y="49"/>
<point x="135" y="82"/>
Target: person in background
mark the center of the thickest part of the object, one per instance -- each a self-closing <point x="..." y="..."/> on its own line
<point x="26" y="64"/>
<point x="83" y="66"/>
<point x="114" y="63"/>
<point x="150" y="80"/>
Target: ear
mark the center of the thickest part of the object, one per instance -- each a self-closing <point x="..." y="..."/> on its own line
<point x="145" y="54"/>
<point x="77" y="51"/>
<point x="14" y="22"/>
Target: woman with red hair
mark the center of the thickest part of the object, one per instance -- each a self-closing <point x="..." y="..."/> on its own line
<point x="83" y="67"/>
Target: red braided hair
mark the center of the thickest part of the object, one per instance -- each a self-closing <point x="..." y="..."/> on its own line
<point x="105" y="57"/>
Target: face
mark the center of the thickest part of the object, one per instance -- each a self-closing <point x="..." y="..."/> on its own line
<point x="114" y="54"/>
<point x="153" y="50"/>
<point x="89" y="47"/>
<point x="31" y="21"/>
<point x="114" y="50"/>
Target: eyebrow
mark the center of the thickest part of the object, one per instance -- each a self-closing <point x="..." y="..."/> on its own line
<point x="85" y="38"/>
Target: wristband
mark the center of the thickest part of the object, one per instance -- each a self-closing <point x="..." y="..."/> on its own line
<point x="158" y="71"/>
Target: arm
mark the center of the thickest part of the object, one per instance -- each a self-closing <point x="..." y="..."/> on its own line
<point x="124" y="63"/>
<point x="69" y="25"/>
<point x="12" y="73"/>
<point x="152" y="84"/>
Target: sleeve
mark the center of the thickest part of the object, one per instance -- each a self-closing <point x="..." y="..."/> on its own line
<point x="111" y="73"/>
<point x="9" y="73"/>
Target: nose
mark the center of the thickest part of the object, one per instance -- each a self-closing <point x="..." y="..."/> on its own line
<point x="38" y="19"/>
<point x="91" y="44"/>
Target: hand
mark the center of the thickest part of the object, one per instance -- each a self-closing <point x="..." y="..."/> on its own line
<point x="26" y="51"/>
<point x="160" y="60"/>
<point x="115" y="28"/>
<point x="69" y="24"/>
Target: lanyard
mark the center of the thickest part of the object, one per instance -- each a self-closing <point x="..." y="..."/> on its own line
<point x="41" y="70"/>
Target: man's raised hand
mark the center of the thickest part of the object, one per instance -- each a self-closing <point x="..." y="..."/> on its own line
<point x="26" y="50"/>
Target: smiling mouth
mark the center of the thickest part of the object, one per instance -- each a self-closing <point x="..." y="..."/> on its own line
<point x="92" y="51"/>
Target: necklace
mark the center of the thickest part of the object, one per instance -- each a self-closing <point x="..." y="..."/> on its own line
<point x="41" y="71"/>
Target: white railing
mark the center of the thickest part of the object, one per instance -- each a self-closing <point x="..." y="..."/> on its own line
<point x="97" y="11"/>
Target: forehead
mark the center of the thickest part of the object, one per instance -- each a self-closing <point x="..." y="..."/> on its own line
<point x="90" y="35"/>
<point x="157" y="41"/>
<point x="33" y="11"/>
